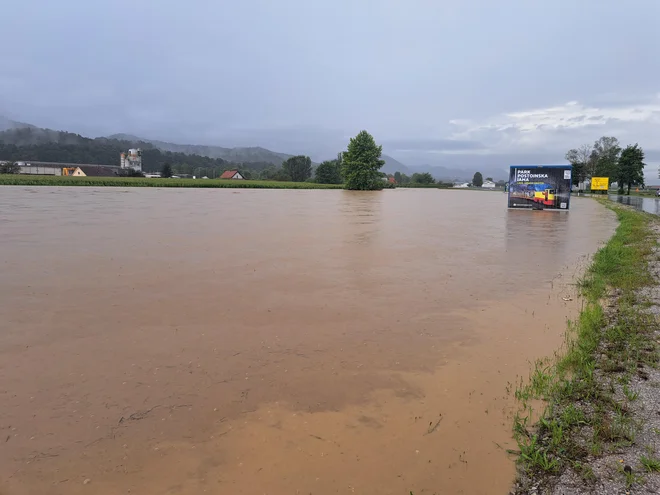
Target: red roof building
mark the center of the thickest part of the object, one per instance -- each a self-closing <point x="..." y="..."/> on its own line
<point x="231" y="174"/>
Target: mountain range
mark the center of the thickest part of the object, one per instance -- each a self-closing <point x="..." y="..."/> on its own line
<point x="236" y="155"/>
<point x="245" y="155"/>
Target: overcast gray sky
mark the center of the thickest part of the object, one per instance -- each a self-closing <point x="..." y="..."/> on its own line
<point x="453" y="82"/>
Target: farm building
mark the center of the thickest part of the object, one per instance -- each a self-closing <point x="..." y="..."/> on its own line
<point x="61" y="168"/>
<point x="90" y="171"/>
<point x="30" y="169"/>
<point x="231" y="174"/>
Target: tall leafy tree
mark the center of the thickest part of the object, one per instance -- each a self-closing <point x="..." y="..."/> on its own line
<point x="423" y="178"/>
<point x="583" y="165"/>
<point x="166" y="171"/>
<point x="478" y="179"/>
<point x="397" y="177"/>
<point x="606" y="157"/>
<point x="361" y="163"/>
<point x="328" y="172"/>
<point x="631" y="167"/>
<point x="299" y="168"/>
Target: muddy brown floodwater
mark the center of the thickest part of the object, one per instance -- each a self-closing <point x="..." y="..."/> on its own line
<point x="274" y="342"/>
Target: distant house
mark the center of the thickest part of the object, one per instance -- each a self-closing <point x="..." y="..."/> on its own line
<point x="391" y="180"/>
<point x="231" y="174"/>
<point x="462" y="184"/>
<point x="91" y="171"/>
<point x="488" y="184"/>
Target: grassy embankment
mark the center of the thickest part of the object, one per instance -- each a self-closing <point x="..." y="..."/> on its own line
<point x="585" y="386"/>
<point x="51" y="180"/>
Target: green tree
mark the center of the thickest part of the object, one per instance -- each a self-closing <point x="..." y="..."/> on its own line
<point x="606" y="157"/>
<point x="405" y="179"/>
<point x="166" y="171"/>
<point x="361" y="163"/>
<point x="490" y="179"/>
<point x="299" y="168"/>
<point x="9" y="168"/>
<point x="328" y="172"/>
<point x="425" y="178"/>
<point x="582" y="162"/>
<point x="631" y="167"/>
<point x="478" y="179"/>
<point x="282" y="175"/>
<point x="268" y="173"/>
<point x="397" y="177"/>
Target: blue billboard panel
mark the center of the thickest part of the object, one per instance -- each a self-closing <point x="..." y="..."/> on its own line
<point x="540" y="187"/>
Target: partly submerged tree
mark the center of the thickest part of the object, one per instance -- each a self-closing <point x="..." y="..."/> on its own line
<point x="423" y="178"/>
<point x="478" y="179"/>
<point x="328" y="172"/>
<point x="166" y="171"/>
<point x="299" y="168"/>
<point x="631" y="168"/>
<point x="361" y="163"/>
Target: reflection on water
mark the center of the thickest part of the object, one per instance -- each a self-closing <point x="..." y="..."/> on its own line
<point x="255" y="341"/>
<point x="649" y="205"/>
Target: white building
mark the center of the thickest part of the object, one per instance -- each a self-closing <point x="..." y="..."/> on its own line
<point x="132" y="159"/>
<point x="462" y="184"/>
<point x="488" y="184"/>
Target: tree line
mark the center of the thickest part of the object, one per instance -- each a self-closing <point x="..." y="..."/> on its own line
<point x="358" y="168"/>
<point x="606" y="158"/>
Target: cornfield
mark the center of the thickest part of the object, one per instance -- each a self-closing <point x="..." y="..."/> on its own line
<point x="53" y="180"/>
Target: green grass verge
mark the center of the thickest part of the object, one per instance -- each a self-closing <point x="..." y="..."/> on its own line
<point x="584" y="387"/>
<point x="51" y="180"/>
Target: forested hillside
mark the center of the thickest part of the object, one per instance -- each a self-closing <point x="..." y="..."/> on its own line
<point x="254" y="154"/>
<point x="56" y="146"/>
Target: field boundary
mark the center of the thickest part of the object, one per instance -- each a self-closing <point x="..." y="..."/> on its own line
<point x="57" y="180"/>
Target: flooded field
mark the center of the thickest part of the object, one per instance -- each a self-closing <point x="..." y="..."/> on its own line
<point x="647" y="204"/>
<point x="274" y="342"/>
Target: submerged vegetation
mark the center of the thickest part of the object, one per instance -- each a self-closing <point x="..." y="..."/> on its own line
<point x="585" y="388"/>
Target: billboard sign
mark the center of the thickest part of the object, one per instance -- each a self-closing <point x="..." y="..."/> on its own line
<point x="600" y="183"/>
<point x="540" y="187"/>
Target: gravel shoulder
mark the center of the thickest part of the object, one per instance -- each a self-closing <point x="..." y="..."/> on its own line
<point x="600" y="430"/>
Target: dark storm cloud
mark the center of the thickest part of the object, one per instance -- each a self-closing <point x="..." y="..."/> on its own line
<point x="435" y="78"/>
<point x="431" y="144"/>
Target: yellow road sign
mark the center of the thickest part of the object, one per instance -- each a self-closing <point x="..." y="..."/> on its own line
<point x="600" y="183"/>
